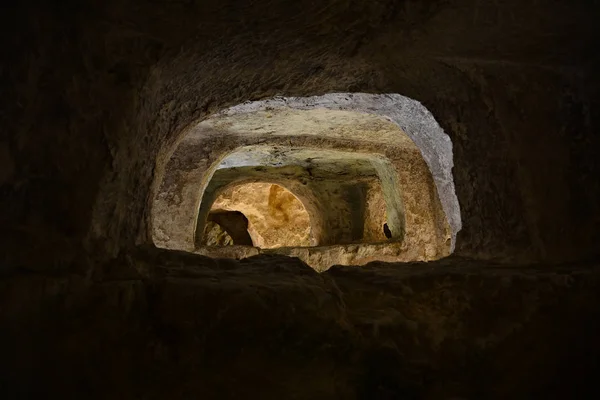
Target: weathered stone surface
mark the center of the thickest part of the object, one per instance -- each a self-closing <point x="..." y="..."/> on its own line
<point x="96" y="94"/>
<point x="215" y="235"/>
<point x="234" y="223"/>
<point x="324" y="142"/>
<point x="348" y="197"/>
<point x="331" y="184"/>
<point x="412" y="117"/>
<point x="185" y="326"/>
<point x="92" y="93"/>
<point x="276" y="218"/>
<point x="353" y="172"/>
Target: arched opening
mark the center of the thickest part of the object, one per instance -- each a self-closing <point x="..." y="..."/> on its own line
<point x="216" y="235"/>
<point x="275" y="217"/>
<point x="226" y="228"/>
<point x="99" y="98"/>
<point x="353" y="166"/>
<point x="346" y="194"/>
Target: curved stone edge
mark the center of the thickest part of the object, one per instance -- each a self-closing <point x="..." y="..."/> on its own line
<point x="410" y="115"/>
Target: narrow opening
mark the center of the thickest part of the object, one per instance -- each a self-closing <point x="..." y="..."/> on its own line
<point x="386" y="231"/>
<point x="226" y="228"/>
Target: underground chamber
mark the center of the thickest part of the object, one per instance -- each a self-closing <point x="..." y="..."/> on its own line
<point x="308" y="200"/>
<point x="330" y="184"/>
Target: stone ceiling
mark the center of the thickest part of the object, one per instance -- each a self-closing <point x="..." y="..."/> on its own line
<point x="321" y="122"/>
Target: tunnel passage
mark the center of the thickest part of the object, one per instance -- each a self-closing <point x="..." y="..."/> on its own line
<point x="93" y="90"/>
<point x="226" y="227"/>
<point x="342" y="192"/>
<point x="350" y="164"/>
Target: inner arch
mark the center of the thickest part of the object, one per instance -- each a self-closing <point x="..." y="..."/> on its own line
<point x="276" y="218"/>
<point x="333" y="185"/>
<point x="409" y="115"/>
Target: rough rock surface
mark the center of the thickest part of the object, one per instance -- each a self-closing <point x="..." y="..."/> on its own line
<point x="161" y="324"/>
<point x="234" y="223"/>
<point x="332" y="185"/>
<point x="276" y="217"/>
<point x="344" y="136"/>
<point x="216" y="235"/>
<point x="94" y="92"/>
<point x="348" y="197"/>
<point x="411" y="116"/>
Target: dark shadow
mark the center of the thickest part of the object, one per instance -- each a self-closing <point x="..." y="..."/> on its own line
<point x="234" y="223"/>
<point x="386" y="231"/>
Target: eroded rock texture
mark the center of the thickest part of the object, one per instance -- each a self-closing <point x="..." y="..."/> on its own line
<point x="276" y="218"/>
<point x="216" y="235"/>
<point x="344" y="156"/>
<point x="516" y="92"/>
<point x="167" y="325"/>
<point x="95" y="95"/>
<point x="235" y="223"/>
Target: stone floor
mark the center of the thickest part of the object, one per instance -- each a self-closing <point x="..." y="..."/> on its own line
<point x="159" y="324"/>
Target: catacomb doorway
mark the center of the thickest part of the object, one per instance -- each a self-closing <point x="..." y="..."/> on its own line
<point x="372" y="172"/>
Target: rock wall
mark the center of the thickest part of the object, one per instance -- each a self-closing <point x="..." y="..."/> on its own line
<point x="322" y="142"/>
<point x="329" y="159"/>
<point x="93" y="91"/>
<point x="233" y="223"/>
<point x="276" y="217"/>
<point x="166" y="325"/>
<point x="216" y="235"/>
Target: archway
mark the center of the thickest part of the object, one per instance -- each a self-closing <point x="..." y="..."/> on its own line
<point x="226" y="227"/>
<point x="275" y="217"/>
<point x="347" y="195"/>
<point x="346" y="154"/>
